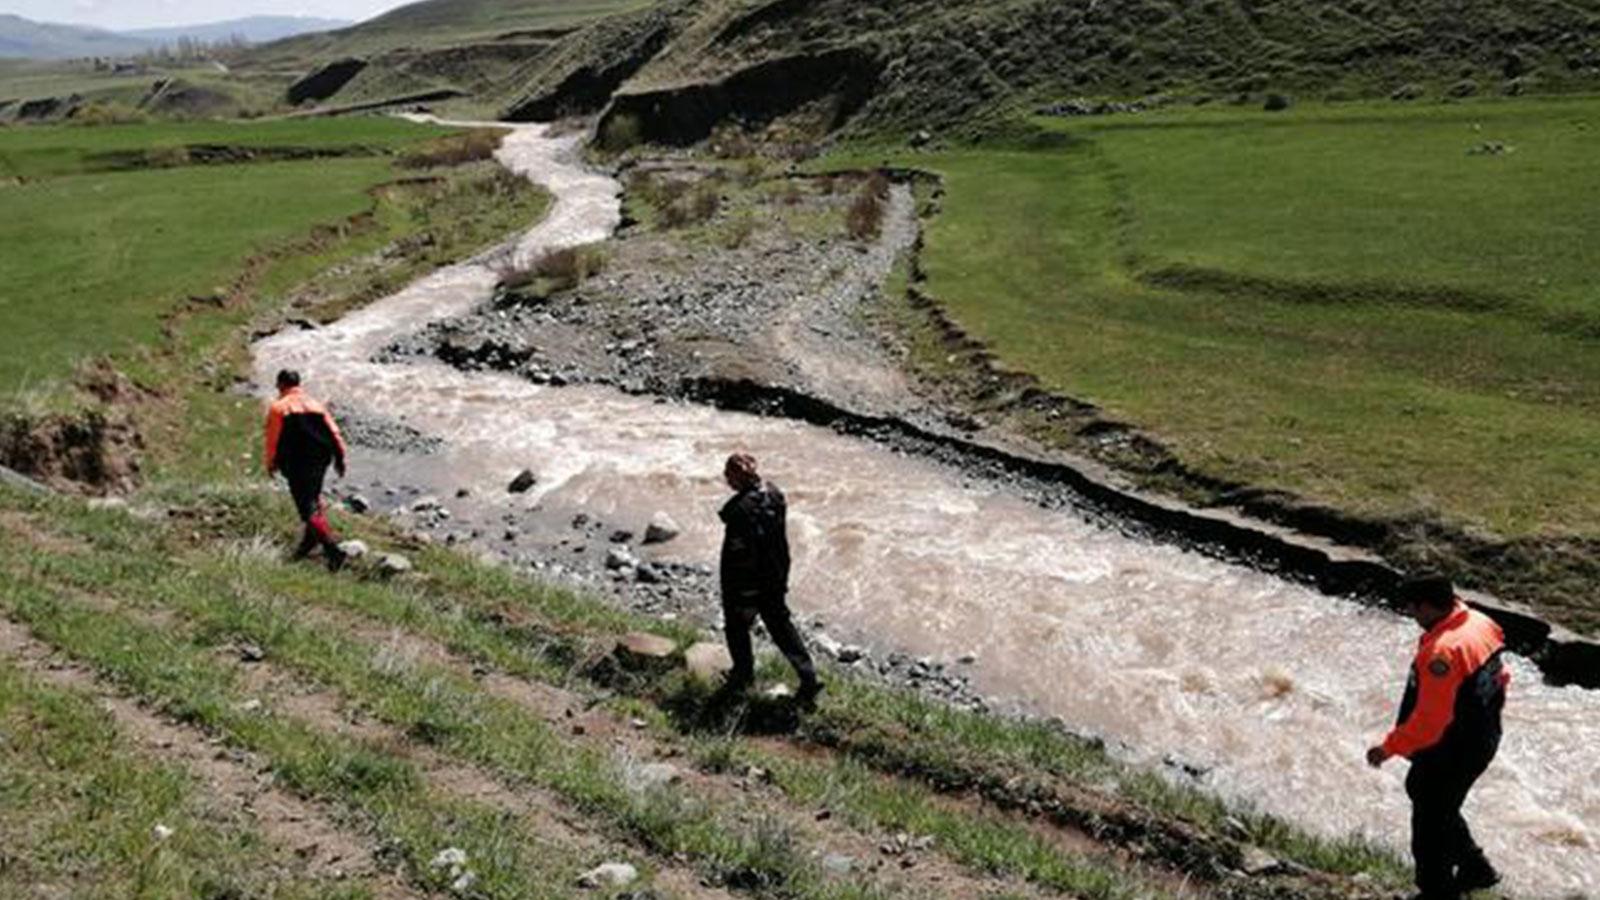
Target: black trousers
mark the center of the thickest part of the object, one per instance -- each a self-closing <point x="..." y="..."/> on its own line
<point x="1441" y="842"/>
<point x="305" y="486"/>
<point x="739" y="613"/>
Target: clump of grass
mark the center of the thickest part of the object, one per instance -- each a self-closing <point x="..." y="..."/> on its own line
<point x="698" y="206"/>
<point x="97" y="113"/>
<point x="557" y="270"/>
<point x="739" y="230"/>
<point x="472" y="146"/>
<point x="166" y="157"/>
<point x="621" y="133"/>
<point x="676" y="202"/>
<point x="864" y="219"/>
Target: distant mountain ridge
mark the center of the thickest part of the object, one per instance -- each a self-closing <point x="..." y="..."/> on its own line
<point x="28" y="39"/>
<point x="25" y="38"/>
<point x="255" y="29"/>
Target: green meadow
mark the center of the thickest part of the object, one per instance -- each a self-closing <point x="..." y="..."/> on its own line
<point x="1389" y="308"/>
<point x="94" y="259"/>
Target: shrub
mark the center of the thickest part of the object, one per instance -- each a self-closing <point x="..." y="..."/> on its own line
<point x="864" y="220"/>
<point x="739" y="231"/>
<point x="476" y="145"/>
<point x="1276" y="103"/>
<point x="97" y="113"/>
<point x="697" y="206"/>
<point x="166" y="157"/>
<point x="620" y="133"/>
<point x="556" y="271"/>
<point x="568" y="268"/>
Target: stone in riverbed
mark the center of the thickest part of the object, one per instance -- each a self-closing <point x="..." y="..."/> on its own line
<point x="523" y="483"/>
<point x="609" y="875"/>
<point x="707" y="660"/>
<point x="642" y="646"/>
<point x="620" y="558"/>
<point x="661" y="529"/>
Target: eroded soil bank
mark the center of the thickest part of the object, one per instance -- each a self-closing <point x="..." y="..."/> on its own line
<point x="1261" y="688"/>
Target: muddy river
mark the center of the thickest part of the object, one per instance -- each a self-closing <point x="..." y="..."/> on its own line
<point x="1274" y="690"/>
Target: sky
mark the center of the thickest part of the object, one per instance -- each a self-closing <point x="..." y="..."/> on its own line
<point x="116" y="14"/>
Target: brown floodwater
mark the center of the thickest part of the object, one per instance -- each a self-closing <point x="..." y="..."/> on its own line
<point x="1274" y="690"/>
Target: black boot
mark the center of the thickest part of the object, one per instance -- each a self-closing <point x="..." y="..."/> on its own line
<point x="1477" y="875"/>
<point x="308" y="542"/>
<point x="810" y="689"/>
<point x="336" y="558"/>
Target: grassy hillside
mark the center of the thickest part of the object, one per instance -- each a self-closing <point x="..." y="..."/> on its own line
<point x="1386" y="311"/>
<point x="947" y="65"/>
<point x="440" y="23"/>
<point x="103" y="255"/>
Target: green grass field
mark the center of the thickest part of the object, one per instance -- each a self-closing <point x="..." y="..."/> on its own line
<point x="1351" y="302"/>
<point x="94" y="260"/>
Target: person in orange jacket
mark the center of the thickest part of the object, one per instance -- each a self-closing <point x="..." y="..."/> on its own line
<point x="1449" y="727"/>
<point x="303" y="440"/>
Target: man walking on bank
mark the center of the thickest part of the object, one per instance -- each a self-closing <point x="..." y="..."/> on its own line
<point x="755" y="577"/>
<point x="302" y="441"/>
<point x="1449" y="727"/>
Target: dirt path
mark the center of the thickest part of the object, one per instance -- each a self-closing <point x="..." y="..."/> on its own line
<point x="306" y="837"/>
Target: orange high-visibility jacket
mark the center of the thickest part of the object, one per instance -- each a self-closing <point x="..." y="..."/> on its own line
<point x="301" y="432"/>
<point x="1457" y="685"/>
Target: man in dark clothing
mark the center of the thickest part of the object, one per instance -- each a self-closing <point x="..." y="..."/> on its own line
<point x="1449" y="727"/>
<point x="302" y="441"/>
<point x="755" y="576"/>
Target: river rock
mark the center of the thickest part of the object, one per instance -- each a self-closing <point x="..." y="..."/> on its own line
<point x="523" y="483"/>
<point x="358" y="504"/>
<point x="1257" y="862"/>
<point x="642" y="646"/>
<point x="392" y="564"/>
<point x="620" y="558"/>
<point x="355" y="549"/>
<point x="657" y="775"/>
<point x="609" y="875"/>
<point x="838" y="864"/>
<point x="707" y="660"/>
<point x="827" y="644"/>
<point x="661" y="529"/>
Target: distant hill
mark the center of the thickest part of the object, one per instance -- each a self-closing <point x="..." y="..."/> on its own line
<point x="255" y="29"/>
<point x="24" y="38"/>
<point x="672" y="72"/>
<point x="434" y="24"/>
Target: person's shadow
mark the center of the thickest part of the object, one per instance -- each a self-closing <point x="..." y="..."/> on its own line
<point x="697" y="709"/>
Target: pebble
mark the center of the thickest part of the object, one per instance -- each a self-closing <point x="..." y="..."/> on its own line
<point x="609" y="875"/>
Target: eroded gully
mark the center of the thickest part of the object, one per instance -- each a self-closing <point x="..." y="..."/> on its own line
<point x="1271" y="689"/>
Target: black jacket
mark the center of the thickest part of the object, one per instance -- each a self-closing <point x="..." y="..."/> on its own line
<point x="755" y="544"/>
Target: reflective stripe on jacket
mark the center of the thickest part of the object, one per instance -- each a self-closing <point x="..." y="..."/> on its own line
<point x="301" y="432"/>
<point x="1457" y="686"/>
